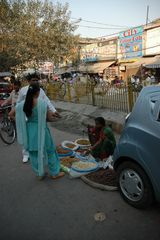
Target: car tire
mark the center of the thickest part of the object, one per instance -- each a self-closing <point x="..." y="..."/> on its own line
<point x="134" y="185"/>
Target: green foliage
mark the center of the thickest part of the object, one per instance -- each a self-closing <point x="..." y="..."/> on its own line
<point x="33" y="30"/>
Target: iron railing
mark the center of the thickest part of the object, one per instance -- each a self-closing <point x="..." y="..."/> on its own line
<point x="120" y="97"/>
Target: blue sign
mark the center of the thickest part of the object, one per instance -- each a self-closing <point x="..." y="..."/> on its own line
<point x="130" y="43"/>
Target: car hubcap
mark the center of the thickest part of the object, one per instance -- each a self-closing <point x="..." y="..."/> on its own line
<point x="131" y="185"/>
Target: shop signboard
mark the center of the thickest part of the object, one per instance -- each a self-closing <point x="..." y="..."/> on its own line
<point x="107" y="50"/>
<point x="130" y="43"/>
<point x="111" y="72"/>
<point x="152" y="41"/>
<point x="46" y="67"/>
<point x="89" y="53"/>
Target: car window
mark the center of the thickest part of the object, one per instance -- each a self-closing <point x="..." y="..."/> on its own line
<point x="155" y="109"/>
<point x="152" y="105"/>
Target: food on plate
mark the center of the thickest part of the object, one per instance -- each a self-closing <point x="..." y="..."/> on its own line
<point x="84" y="165"/>
<point x="82" y="151"/>
<point x="83" y="142"/>
<point x="61" y="150"/>
<point x="67" y="161"/>
<point x="70" y="145"/>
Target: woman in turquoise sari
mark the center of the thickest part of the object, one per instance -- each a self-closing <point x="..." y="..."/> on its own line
<point x="34" y="134"/>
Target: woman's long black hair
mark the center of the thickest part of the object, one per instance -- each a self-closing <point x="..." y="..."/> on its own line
<point x="28" y="104"/>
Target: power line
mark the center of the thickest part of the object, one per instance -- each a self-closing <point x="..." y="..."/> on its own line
<point x="98" y="27"/>
<point x="105" y="24"/>
<point x="116" y="33"/>
<point x="110" y="35"/>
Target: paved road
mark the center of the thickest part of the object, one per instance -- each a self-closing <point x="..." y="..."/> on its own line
<point x="64" y="209"/>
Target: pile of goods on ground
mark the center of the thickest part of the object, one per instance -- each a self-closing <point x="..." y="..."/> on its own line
<point x="76" y="163"/>
<point x="73" y="159"/>
<point x="103" y="176"/>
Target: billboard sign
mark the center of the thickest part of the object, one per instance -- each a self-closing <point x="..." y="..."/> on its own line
<point x="89" y="53"/>
<point x="104" y="50"/>
<point x="107" y="49"/>
<point x="130" y="43"/>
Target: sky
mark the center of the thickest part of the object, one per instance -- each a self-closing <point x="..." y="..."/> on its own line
<point x="122" y="13"/>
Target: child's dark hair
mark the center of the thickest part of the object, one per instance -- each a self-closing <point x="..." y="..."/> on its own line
<point x="28" y="104"/>
<point x="100" y="120"/>
<point x="35" y="75"/>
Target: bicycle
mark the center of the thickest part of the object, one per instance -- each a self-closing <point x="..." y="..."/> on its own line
<point x="7" y="126"/>
<point x="65" y="85"/>
<point x="62" y="89"/>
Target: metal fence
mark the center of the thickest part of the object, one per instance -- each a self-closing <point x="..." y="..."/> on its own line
<point x="115" y="98"/>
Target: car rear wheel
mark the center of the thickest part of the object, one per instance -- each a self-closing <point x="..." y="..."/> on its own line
<point x="134" y="185"/>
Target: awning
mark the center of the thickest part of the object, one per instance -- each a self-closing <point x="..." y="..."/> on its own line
<point x="155" y="63"/>
<point x="31" y="71"/>
<point x="60" y="71"/>
<point x="140" y="62"/>
<point x="95" y="67"/>
<point x="5" y="74"/>
<point x="71" y="69"/>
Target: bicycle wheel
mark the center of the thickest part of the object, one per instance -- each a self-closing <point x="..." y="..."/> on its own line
<point x="62" y="90"/>
<point x="7" y="131"/>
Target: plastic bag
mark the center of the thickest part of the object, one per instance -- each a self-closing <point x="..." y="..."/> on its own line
<point x="106" y="163"/>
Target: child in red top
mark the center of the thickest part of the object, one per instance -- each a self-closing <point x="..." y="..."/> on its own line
<point x="102" y="139"/>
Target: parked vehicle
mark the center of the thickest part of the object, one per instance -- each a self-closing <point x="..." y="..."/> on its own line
<point x="5" y="74"/>
<point x="3" y="97"/>
<point x="5" y="87"/>
<point x="136" y="157"/>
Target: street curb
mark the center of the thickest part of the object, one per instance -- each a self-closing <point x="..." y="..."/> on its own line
<point x="115" y="119"/>
<point x="98" y="185"/>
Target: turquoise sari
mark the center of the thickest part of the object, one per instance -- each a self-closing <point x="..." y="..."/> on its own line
<point x="34" y="135"/>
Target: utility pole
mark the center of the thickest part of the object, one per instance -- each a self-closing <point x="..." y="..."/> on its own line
<point x="147" y="15"/>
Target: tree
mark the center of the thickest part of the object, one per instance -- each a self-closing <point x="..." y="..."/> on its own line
<point x="32" y="30"/>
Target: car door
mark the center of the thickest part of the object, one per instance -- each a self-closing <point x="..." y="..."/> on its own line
<point x="155" y="139"/>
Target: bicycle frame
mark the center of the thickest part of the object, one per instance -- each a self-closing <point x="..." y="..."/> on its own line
<point x="7" y="126"/>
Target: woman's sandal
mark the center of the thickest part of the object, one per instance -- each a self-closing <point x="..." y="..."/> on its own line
<point x="61" y="174"/>
<point x="40" y="178"/>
